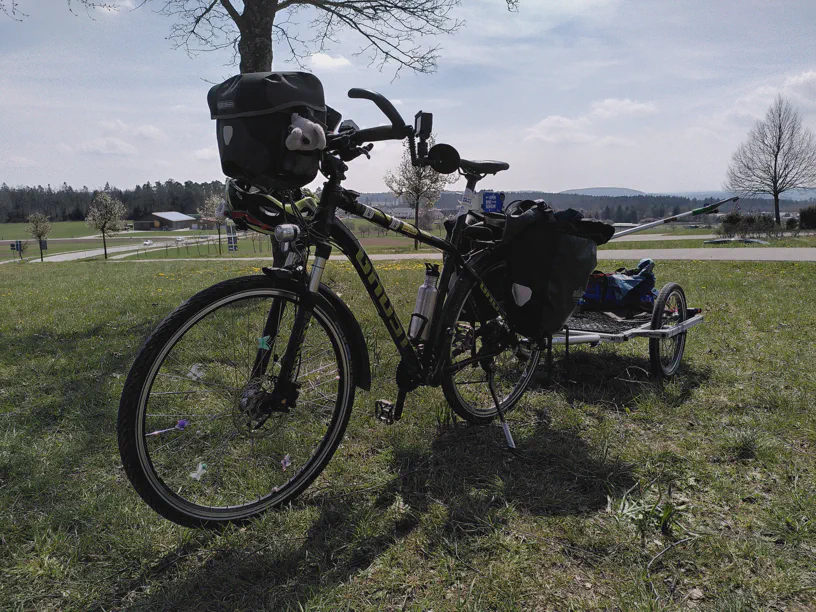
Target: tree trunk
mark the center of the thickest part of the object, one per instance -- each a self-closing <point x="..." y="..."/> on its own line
<point x="41" y="257"/>
<point x="219" y="238"/>
<point x="104" y="244"/>
<point x="776" y="209"/>
<point x="255" y="45"/>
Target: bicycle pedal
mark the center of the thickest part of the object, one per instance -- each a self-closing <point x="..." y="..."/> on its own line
<point x="384" y="411"/>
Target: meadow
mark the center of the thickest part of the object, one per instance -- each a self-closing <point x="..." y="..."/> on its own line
<point x="625" y="493"/>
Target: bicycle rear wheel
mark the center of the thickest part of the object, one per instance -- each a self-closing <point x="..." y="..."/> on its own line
<point x="201" y="438"/>
<point x="470" y="335"/>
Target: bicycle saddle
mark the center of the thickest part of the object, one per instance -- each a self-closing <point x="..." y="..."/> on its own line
<point x="482" y="167"/>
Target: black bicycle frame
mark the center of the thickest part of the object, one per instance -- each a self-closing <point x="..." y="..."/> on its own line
<point x="348" y="244"/>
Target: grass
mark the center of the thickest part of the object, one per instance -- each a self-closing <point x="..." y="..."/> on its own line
<point x="391" y="244"/>
<point x="623" y="494"/>
<point x="59" y="229"/>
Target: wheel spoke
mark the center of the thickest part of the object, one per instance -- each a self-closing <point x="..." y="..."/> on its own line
<point x="221" y="458"/>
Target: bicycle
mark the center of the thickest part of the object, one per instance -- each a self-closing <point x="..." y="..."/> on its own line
<point x="259" y="373"/>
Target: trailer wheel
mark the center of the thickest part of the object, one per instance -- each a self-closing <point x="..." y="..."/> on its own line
<point x="669" y="310"/>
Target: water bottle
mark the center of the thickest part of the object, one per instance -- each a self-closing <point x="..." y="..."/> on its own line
<point x="425" y="303"/>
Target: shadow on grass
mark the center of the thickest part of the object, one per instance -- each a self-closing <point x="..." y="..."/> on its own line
<point x="606" y="377"/>
<point x="462" y="489"/>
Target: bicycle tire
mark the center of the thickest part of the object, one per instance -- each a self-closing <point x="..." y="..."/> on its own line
<point x="171" y="332"/>
<point x="485" y="413"/>
<point x="666" y="354"/>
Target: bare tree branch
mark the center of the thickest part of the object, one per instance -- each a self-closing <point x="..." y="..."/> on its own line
<point x="779" y="155"/>
<point x="391" y="30"/>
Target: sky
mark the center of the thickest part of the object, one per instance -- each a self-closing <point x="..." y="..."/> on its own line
<point x="652" y="95"/>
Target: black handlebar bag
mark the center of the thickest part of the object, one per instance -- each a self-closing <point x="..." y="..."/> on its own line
<point x="253" y="114"/>
<point x="549" y="258"/>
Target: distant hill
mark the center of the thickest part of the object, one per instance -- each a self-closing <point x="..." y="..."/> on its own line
<point x="611" y="192"/>
<point x="796" y="195"/>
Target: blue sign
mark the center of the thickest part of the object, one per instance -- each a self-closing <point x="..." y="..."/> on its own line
<point x="492" y="201"/>
<point x="44" y="245"/>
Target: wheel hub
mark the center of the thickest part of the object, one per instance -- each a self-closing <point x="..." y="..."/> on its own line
<point x="255" y="404"/>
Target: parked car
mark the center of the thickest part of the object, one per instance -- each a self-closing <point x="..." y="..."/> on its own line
<point x="179" y="239"/>
<point x="148" y="243"/>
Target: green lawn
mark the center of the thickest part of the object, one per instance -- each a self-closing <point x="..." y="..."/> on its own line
<point x="59" y="229"/>
<point x="624" y="494"/>
<point x="389" y="244"/>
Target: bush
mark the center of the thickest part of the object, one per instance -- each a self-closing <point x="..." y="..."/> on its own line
<point x="792" y="224"/>
<point x="807" y="218"/>
<point x="730" y="223"/>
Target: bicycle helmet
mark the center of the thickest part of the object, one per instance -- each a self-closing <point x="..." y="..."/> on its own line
<point x="251" y="208"/>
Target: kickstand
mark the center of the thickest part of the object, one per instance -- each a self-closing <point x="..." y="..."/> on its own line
<point x="491" y="384"/>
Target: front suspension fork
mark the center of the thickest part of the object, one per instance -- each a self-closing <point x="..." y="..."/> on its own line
<point x="303" y="315"/>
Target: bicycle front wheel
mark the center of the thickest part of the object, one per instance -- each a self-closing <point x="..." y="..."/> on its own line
<point x="196" y="434"/>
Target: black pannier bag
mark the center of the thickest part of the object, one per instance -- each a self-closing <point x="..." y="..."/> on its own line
<point x="253" y="113"/>
<point x="549" y="258"/>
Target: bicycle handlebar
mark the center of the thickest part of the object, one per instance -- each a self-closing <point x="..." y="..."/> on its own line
<point x="396" y="131"/>
<point x="382" y="103"/>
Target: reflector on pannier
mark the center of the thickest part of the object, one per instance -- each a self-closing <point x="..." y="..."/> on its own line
<point x="253" y="114"/>
<point x="550" y="257"/>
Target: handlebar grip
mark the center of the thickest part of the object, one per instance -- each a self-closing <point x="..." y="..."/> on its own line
<point x="383" y="132"/>
<point x="382" y="103"/>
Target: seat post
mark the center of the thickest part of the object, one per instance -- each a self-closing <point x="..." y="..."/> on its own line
<point x="470" y="192"/>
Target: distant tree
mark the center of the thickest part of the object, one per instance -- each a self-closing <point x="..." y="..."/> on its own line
<point x="389" y="28"/>
<point x="107" y="216"/>
<point x="780" y="154"/>
<point x="209" y="213"/>
<point x="807" y="217"/>
<point x="39" y="227"/>
<point x="418" y="187"/>
<point x="23" y="248"/>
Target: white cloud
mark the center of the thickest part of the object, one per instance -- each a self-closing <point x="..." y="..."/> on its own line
<point x="150" y="132"/>
<point x="580" y="130"/>
<point x="106" y="146"/>
<point x="147" y="131"/>
<point x="324" y="61"/>
<point x="616" y="107"/>
<point x="206" y="154"/>
<point x="17" y="161"/>
<point x="557" y="129"/>
<point x="799" y="88"/>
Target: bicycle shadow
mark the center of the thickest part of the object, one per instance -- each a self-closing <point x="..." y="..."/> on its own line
<point x="468" y="474"/>
<point x="462" y="488"/>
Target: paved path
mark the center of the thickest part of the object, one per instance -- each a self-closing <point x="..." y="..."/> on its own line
<point x="718" y="254"/>
<point x="92" y="253"/>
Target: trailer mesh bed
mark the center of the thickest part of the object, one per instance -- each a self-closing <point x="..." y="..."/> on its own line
<point x="601" y="323"/>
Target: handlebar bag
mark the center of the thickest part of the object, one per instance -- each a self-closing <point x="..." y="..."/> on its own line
<point x="253" y="115"/>
<point x="550" y="257"/>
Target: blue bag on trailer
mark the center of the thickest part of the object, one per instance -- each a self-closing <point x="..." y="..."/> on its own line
<point x="621" y="289"/>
